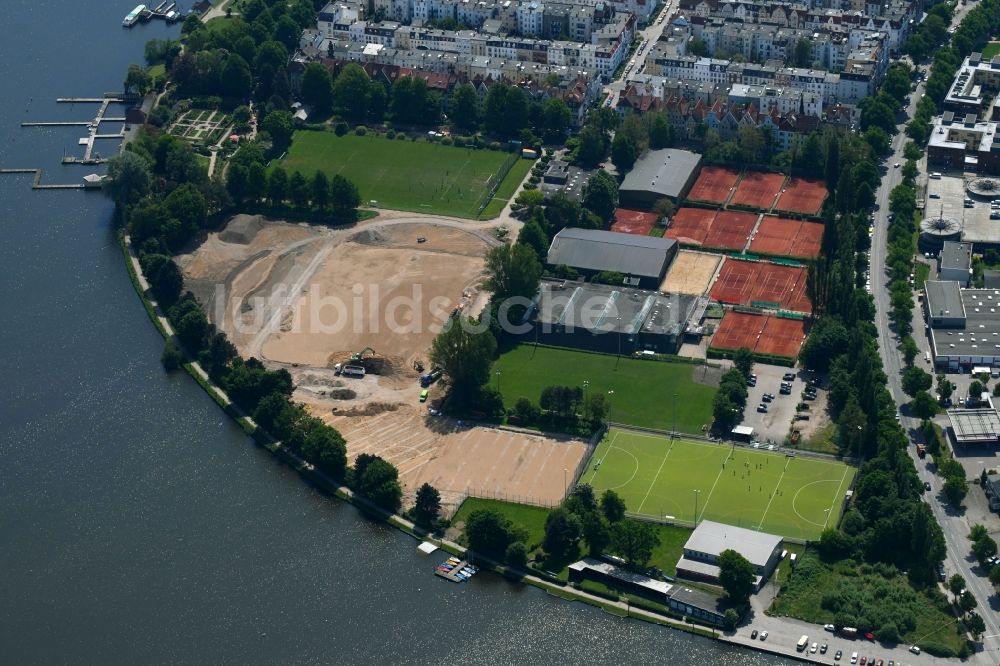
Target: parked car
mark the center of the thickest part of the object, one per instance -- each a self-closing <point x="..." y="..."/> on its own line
<point x="914" y="649"/>
<point x="864" y="660"/>
<point x="927" y="485"/>
<point x="763" y="635"/>
<point x="766" y="398"/>
<point x="789" y="376"/>
<point x="828" y="627"/>
<point x="753" y="634"/>
<point x="840" y="653"/>
<point x="822" y="648"/>
<point x="813" y="648"/>
<point x="762" y="408"/>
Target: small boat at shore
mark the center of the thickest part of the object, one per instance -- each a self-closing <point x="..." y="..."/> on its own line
<point x="133" y="16"/>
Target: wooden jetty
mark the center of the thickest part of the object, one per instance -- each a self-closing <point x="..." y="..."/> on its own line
<point x="36" y="183"/>
<point x="70" y="123"/>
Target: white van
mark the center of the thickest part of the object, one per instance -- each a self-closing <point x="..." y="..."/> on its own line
<point x="936" y="175"/>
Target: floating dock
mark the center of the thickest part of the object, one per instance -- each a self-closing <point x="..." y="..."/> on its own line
<point x="454" y="570"/>
<point x="36" y="183"/>
<point x="166" y="10"/>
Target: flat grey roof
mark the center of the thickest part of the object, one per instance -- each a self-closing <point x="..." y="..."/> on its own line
<point x="975" y="425"/>
<point x="713" y="538"/>
<point x="602" y="308"/>
<point x="612" y="571"/>
<point x="981" y="333"/>
<point x="664" y="172"/>
<point x="944" y="298"/>
<point x="699" y="599"/>
<point x="596" y="250"/>
<point x="991" y="279"/>
<point x="956" y="255"/>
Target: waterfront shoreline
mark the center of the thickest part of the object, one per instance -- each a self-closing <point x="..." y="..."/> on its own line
<point x="314" y="476"/>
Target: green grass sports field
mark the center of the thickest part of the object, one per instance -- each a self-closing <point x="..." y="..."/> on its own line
<point x="404" y="175"/>
<point x="742" y="486"/>
<point x="643" y="390"/>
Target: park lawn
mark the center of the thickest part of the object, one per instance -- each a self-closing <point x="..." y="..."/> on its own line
<point x="991" y="50"/>
<point x="643" y="390"/>
<point x="802" y="594"/>
<point x="823" y="441"/>
<point x="531" y="518"/>
<point x="404" y="175"/>
<point x="749" y="488"/>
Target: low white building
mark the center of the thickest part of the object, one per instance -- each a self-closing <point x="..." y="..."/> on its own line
<point x="700" y="559"/>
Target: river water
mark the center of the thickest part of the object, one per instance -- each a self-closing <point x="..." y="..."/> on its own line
<point x="138" y="524"/>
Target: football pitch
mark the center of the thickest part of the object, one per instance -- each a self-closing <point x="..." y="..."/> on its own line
<point x="751" y="488"/>
<point x="404" y="174"/>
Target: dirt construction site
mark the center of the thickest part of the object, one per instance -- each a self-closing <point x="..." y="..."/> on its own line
<point x="307" y="298"/>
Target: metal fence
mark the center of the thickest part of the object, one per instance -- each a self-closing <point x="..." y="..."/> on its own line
<point x="494" y="183"/>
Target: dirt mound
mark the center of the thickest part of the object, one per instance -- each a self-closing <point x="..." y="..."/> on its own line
<point x="370" y="237"/>
<point x="242" y="229"/>
<point x="383" y="366"/>
<point x="371" y="409"/>
<point x="342" y="394"/>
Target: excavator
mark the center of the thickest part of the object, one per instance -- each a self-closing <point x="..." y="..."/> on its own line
<point x="359" y="356"/>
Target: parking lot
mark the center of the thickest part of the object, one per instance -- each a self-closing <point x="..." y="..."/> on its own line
<point x="774" y="425"/>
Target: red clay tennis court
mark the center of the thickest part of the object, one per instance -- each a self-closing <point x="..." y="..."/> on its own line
<point x="633" y="222"/>
<point x="757" y="189"/>
<point x="763" y="283"/>
<point x="802" y="195"/>
<point x="781" y="337"/>
<point x="730" y="230"/>
<point x="738" y="330"/>
<point x="713" y="185"/>
<point x="782" y="237"/>
<point x="690" y="225"/>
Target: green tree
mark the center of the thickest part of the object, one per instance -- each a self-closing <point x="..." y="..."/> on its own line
<point x="924" y="405"/>
<point x="878" y="139"/>
<point x="977" y="532"/>
<point x="743" y="361"/>
<point x="956" y="584"/>
<point x="916" y="380"/>
<point x="803" y="53"/>
<point x="660" y="133"/>
<point x="137" y="80"/>
<point x="172" y="358"/>
<point x="909" y="349"/>
<point x="597" y="533"/>
<point x="427" y="506"/>
<point x="562" y="532"/>
<point x="465" y="107"/>
<point x="995" y="576"/>
<point x="623" y="153"/>
<point x="317" y="87"/>
<point x="489" y="532"/>
<point x="730" y="619"/>
<point x="514" y="272"/>
<point x="975" y="624"/>
<point x="128" y="178"/>
<point x="967" y="601"/>
<point x="592" y="146"/>
<point x="277" y="186"/>
<point x="534" y="237"/>
<point x="955" y="489"/>
<point x="256" y="181"/>
<point x="725" y="412"/>
<point x="464" y="354"/>
<point x="380" y="483"/>
<point x="298" y="190"/>
<point x="635" y="541"/>
<point x="516" y="555"/>
<point x="736" y="575"/>
<point x="320" y="191"/>
<point x="280" y="125"/>
<point x="612" y="506"/>
<point x="236" y="79"/>
<point x="600" y="195"/>
<point x="975" y="389"/>
<point x="352" y="91"/>
<point x="556" y="119"/>
<point x="344" y="195"/>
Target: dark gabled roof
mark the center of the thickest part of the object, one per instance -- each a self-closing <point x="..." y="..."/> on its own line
<point x="596" y="250"/>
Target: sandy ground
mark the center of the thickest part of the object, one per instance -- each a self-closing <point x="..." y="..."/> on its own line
<point x="691" y="273"/>
<point x="305" y="297"/>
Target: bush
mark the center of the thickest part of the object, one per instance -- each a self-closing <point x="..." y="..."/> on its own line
<point x="534" y="180"/>
<point x="494" y="145"/>
<point x="391" y="134"/>
<point x="340" y="129"/>
<point x="401" y="136"/>
<point x="530" y="186"/>
<point x="446" y="141"/>
<point x="171" y="358"/>
<point x="361" y="130"/>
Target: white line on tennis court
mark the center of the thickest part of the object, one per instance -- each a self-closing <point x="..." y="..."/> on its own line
<point x="774" y="493"/>
<point x="639" y="510"/>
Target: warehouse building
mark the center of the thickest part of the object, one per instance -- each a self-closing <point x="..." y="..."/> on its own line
<point x="964" y="325"/>
<point x="659" y="174"/>
<point x="975" y="426"/>
<point x="700" y="559"/>
<point x="955" y="263"/>
<point x="641" y="260"/>
<point x="612" y="320"/>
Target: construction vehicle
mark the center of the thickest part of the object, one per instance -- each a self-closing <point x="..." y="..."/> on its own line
<point x="921" y="451"/>
<point x="349" y="370"/>
<point x="359" y="356"/>
<point x="429" y="378"/>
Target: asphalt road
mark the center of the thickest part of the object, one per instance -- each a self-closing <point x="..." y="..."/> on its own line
<point x="651" y="33"/>
<point x="953" y="523"/>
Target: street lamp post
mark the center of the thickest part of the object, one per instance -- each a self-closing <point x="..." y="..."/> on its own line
<point x="498" y="381"/>
<point x="696" y="493"/>
<point x="673" y="426"/>
<point x="565" y="480"/>
<point x="826" y="519"/>
<point x="619" y="319"/>
<point x="611" y="393"/>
